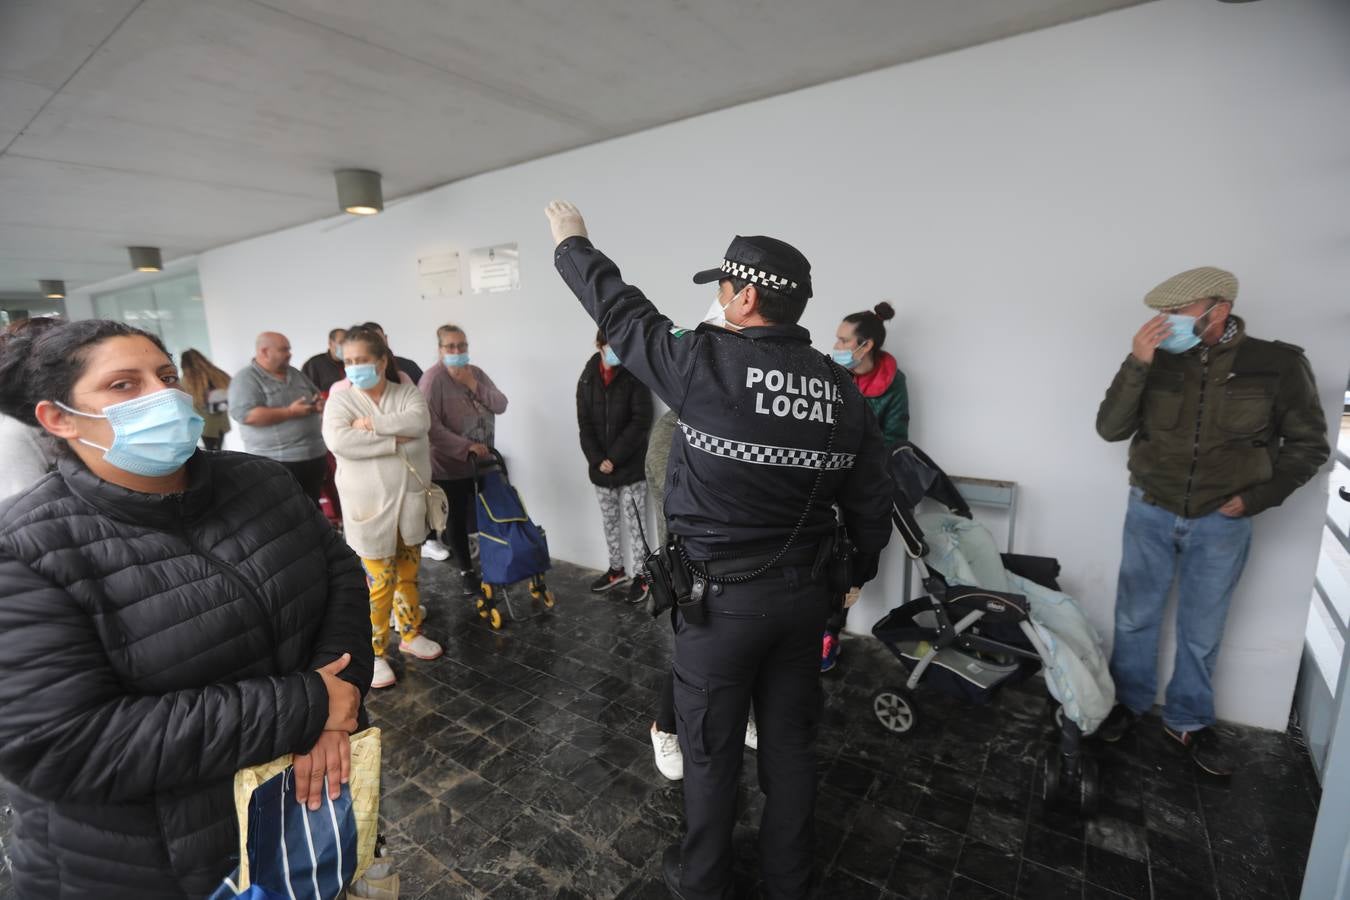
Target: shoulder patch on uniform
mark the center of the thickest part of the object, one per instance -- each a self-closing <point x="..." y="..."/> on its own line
<point x="678" y="332"/>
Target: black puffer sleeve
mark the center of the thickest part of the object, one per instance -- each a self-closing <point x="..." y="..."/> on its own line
<point x="70" y="730"/>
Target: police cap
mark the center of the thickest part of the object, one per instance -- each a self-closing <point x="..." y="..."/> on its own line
<point x="764" y="261"/>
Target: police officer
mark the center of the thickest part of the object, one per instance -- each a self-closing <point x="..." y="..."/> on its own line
<point x="771" y="436"/>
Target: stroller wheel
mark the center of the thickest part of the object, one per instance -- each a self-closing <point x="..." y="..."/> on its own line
<point x="1051" y="778"/>
<point x="495" y="618"/>
<point x="895" y="710"/>
<point x="487" y="590"/>
<point x="549" y="599"/>
<point x="480" y="604"/>
<point x="1090" y="785"/>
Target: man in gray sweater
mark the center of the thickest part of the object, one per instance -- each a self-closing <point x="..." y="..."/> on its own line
<point x="278" y="410"/>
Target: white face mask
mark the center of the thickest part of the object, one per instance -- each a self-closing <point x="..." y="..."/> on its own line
<point x="717" y="314"/>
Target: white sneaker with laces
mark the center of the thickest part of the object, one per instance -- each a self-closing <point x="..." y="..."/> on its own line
<point x="434" y="549"/>
<point x="421" y="647"/>
<point x="384" y="675"/>
<point x="751" y="734"/>
<point x="669" y="759"/>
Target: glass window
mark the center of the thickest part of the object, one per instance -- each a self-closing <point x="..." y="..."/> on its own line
<point x="170" y="308"/>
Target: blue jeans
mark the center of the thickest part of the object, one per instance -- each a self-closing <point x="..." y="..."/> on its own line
<point x="1207" y="554"/>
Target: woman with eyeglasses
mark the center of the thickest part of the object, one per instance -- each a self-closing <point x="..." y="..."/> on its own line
<point x="464" y="405"/>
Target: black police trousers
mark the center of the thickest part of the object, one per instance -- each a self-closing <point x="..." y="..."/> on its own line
<point x="761" y="642"/>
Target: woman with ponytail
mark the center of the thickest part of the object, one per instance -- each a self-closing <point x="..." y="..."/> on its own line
<point x="857" y="347"/>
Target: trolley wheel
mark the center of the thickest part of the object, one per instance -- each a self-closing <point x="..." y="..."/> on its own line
<point x="481" y="605"/>
<point x="1051" y="778"/>
<point x="1089" y="785"/>
<point x="487" y="590"/>
<point x="895" y="710"/>
<point x="549" y="599"/>
<point x="495" y="619"/>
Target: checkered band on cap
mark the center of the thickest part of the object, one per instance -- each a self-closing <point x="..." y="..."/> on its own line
<point x="765" y="454"/>
<point x="757" y="276"/>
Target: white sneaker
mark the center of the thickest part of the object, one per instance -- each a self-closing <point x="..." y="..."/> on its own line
<point x="421" y="647"/>
<point x="434" y="549"/>
<point x="751" y="734"/>
<point x="669" y="759"/>
<point x="384" y="676"/>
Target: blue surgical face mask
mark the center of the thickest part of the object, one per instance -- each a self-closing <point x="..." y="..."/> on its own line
<point x="363" y="375"/>
<point x="1183" y="336"/>
<point x="153" y="434"/>
<point x="455" y="360"/>
<point x="611" y="358"/>
<point x="844" y="358"/>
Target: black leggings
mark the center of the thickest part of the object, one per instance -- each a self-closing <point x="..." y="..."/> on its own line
<point x="459" y="491"/>
<point x="835" y="623"/>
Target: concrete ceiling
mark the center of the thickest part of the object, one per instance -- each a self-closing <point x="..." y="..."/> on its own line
<point x="188" y="124"/>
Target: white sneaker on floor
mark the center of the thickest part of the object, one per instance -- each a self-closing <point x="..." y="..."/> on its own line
<point x="669" y="759"/>
<point x="384" y="675"/>
<point x="421" y="647"/>
<point x="751" y="734"/>
<point x="434" y="549"/>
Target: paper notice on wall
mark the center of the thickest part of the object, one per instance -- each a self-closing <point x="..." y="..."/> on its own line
<point x="494" y="270"/>
<point x="438" y="275"/>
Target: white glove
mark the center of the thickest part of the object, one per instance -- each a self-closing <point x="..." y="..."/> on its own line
<point x="852" y="597"/>
<point x="565" y="221"/>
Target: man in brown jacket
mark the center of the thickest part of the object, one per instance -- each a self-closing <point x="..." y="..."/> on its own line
<point x="1222" y="426"/>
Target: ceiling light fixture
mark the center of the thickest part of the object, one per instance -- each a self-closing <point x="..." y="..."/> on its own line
<point x="52" y="289"/>
<point x="359" y="191"/>
<point x="145" y="259"/>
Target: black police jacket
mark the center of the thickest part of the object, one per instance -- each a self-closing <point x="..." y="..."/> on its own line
<point x="755" y="413"/>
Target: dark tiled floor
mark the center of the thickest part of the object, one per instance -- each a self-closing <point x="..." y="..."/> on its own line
<point x="518" y="765"/>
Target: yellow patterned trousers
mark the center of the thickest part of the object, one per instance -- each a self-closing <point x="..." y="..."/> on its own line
<point x="393" y="583"/>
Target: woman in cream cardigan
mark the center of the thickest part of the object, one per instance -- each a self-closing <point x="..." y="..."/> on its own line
<point x="378" y="433"/>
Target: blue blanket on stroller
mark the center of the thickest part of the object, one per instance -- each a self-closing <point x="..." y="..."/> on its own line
<point x="511" y="548"/>
<point x="1076" y="671"/>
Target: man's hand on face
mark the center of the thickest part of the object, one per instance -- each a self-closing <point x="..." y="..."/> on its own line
<point x="1147" y="339"/>
<point x="565" y="221"/>
<point x="1234" y="508"/>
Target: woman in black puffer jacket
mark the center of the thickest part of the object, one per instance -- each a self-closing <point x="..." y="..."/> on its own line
<point x="167" y="617"/>
<point x="614" y="415"/>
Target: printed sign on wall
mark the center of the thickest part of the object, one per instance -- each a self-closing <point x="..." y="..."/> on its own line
<point x="438" y="275"/>
<point x="494" y="270"/>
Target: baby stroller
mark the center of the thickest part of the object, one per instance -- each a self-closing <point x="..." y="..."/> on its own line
<point x="511" y="548"/>
<point x="989" y="620"/>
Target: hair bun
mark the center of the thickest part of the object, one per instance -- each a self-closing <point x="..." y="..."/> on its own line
<point x="884" y="311"/>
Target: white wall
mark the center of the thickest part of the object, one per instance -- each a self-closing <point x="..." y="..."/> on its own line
<point x="1014" y="201"/>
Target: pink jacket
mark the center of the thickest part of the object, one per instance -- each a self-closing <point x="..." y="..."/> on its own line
<point x="459" y="418"/>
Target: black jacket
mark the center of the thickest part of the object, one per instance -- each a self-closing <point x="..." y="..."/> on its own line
<point x="614" y="422"/>
<point x="754" y="409"/>
<point x="151" y="646"/>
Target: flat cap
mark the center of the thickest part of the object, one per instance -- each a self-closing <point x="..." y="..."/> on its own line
<point x="1191" y="285"/>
